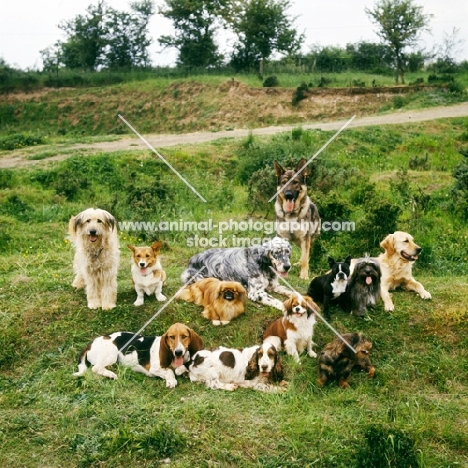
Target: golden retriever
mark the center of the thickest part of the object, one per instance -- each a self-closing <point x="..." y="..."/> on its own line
<point x="94" y="235"/>
<point x="396" y="264"/>
<point x="222" y="300"/>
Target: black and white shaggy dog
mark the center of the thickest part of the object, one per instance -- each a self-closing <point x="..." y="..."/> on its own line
<point x="331" y="287"/>
<point x="363" y="288"/>
<point x="256" y="268"/>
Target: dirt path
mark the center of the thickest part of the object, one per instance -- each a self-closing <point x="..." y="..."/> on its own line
<point x="19" y="158"/>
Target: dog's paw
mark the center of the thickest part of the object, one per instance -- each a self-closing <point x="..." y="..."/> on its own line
<point x="389" y="307"/>
<point x="139" y="302"/>
<point x="216" y="323"/>
<point x="161" y="297"/>
<point x="180" y="370"/>
<point x="171" y="383"/>
<point x="312" y="354"/>
<point x="304" y="275"/>
<point x="426" y="295"/>
<point x="108" y="306"/>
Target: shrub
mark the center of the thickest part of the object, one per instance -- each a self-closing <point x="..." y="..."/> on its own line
<point x="300" y="93"/>
<point x="387" y="447"/>
<point x="271" y="82"/>
<point x="20" y="140"/>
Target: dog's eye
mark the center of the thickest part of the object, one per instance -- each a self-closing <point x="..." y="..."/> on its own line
<point x="99" y="220"/>
<point x="88" y="220"/>
<point x="147" y="255"/>
<point x="171" y="337"/>
<point x="407" y="240"/>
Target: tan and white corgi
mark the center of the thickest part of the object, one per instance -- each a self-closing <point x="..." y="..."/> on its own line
<point x="147" y="273"/>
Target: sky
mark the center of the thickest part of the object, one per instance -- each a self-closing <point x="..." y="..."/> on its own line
<point x="28" y="26"/>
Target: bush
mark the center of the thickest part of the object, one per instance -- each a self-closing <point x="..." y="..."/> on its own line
<point x="300" y="93"/>
<point x="387" y="448"/>
<point x="20" y="140"/>
<point x="271" y="82"/>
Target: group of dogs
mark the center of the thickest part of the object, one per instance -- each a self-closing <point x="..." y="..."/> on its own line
<point x="221" y="279"/>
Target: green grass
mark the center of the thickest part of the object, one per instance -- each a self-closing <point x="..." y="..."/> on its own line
<point x="414" y="411"/>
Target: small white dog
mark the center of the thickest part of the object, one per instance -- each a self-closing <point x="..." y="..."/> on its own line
<point x="147" y="273"/>
<point x="94" y="235"/>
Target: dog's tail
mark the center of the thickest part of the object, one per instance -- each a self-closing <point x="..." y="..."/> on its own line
<point x="82" y="362"/>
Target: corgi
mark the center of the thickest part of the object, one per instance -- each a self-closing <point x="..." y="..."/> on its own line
<point x="147" y="273"/>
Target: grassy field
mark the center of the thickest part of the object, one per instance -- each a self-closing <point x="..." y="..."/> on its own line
<point x="413" y="414"/>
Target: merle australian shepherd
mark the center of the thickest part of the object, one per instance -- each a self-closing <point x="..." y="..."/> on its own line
<point x="256" y="268"/>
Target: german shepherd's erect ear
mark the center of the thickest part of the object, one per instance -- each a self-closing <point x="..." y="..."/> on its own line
<point x="279" y="170"/>
<point x="302" y="162"/>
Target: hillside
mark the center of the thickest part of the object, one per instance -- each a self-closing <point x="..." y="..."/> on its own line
<point x="186" y="106"/>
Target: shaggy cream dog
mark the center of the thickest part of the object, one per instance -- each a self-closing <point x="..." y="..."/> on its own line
<point x="94" y="236"/>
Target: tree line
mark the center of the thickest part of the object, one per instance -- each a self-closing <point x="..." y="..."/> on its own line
<point x="105" y="38"/>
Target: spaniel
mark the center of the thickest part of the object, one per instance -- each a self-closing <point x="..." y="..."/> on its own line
<point x="256" y="367"/>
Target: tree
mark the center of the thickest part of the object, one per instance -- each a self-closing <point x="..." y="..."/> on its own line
<point x="263" y="27"/>
<point x="399" y="22"/>
<point x="195" y="22"/>
<point x="86" y="41"/>
<point x="105" y="37"/>
<point x="127" y="38"/>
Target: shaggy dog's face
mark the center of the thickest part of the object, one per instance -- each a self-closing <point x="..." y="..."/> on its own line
<point x="93" y="224"/>
<point x="403" y="244"/>
<point x="367" y="272"/>
<point x="293" y="187"/>
<point x="279" y="252"/>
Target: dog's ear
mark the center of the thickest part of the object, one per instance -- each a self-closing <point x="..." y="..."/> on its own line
<point x="109" y="220"/>
<point x="196" y="343"/>
<point x="388" y="244"/>
<point x="252" y="370"/>
<point x="165" y="353"/>
<point x="279" y="170"/>
<point x="131" y="247"/>
<point x="74" y="223"/>
<point x="242" y="293"/>
<point x="302" y="162"/>
<point x="287" y="305"/>
<point x="331" y="261"/>
<point x="72" y="226"/>
<point x="156" y="247"/>
<point x="348" y="260"/>
<point x="277" y="373"/>
<point x="311" y="305"/>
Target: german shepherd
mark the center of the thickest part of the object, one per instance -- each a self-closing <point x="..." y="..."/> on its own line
<point x="297" y="218"/>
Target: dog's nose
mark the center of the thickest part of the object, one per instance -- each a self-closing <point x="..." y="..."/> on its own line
<point x="287" y="267"/>
<point x="341" y="275"/>
<point x="93" y="232"/>
<point x="418" y="250"/>
<point x="178" y="352"/>
<point x="264" y="367"/>
<point x="289" y="195"/>
<point x="142" y="264"/>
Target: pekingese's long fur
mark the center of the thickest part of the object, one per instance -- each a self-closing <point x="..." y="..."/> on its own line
<point x="222" y="301"/>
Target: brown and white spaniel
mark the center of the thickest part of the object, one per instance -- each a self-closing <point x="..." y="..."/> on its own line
<point x="154" y="356"/>
<point x="294" y="331"/>
<point x="256" y="367"/>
